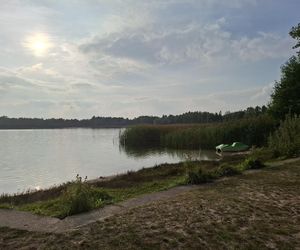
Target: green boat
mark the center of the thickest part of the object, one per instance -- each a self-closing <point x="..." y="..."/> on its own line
<point x="234" y="147"/>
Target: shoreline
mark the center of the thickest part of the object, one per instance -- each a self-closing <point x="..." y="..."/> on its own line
<point x="96" y="180"/>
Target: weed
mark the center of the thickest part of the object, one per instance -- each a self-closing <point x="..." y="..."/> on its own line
<point x="199" y="176"/>
<point x="227" y="170"/>
<point x="250" y="163"/>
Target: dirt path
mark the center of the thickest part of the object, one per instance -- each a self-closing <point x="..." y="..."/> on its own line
<point x="30" y="222"/>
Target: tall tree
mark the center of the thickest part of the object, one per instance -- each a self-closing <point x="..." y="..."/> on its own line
<point x="286" y="95"/>
<point x="295" y="33"/>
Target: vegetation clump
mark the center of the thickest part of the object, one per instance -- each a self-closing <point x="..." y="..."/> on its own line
<point x="80" y="197"/>
<point x="252" y="131"/>
<point x="226" y="169"/>
<point x="285" y="98"/>
<point x="199" y="176"/>
<point x="251" y="163"/>
<point x="285" y="141"/>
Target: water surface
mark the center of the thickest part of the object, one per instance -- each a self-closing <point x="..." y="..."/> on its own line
<point x="32" y="159"/>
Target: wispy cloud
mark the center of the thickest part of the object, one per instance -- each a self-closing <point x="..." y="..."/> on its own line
<point x="130" y="57"/>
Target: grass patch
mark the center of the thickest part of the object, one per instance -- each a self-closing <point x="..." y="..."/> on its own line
<point x="227" y="170"/>
<point x="81" y="196"/>
<point x="84" y="197"/>
<point x="200" y="175"/>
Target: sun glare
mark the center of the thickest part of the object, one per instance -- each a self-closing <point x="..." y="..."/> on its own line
<point x="39" y="44"/>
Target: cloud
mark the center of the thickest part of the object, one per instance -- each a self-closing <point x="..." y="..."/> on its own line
<point x="263" y="93"/>
<point x="40" y="73"/>
<point x="192" y="43"/>
<point x="129" y="58"/>
<point x="235" y="100"/>
<point x="264" y="46"/>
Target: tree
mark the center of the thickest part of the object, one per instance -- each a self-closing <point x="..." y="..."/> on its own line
<point x="295" y="33"/>
<point x="286" y="95"/>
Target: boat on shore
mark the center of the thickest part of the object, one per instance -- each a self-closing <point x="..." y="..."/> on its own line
<point x="232" y="149"/>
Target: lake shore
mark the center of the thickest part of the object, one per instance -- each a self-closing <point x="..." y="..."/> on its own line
<point x="42" y="158"/>
<point x="240" y="212"/>
<point x="115" y="188"/>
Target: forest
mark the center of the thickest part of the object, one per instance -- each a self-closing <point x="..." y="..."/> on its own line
<point x="119" y="122"/>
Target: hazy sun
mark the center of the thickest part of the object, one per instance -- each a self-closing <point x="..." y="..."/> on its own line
<point x="38" y="44"/>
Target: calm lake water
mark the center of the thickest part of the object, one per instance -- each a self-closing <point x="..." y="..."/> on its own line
<point x="32" y="159"/>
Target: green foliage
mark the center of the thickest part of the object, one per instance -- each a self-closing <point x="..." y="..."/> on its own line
<point x="252" y="131"/>
<point x="285" y="141"/>
<point x="150" y="135"/>
<point x="199" y="176"/>
<point x="250" y="163"/>
<point x="80" y="197"/>
<point x="285" y="98"/>
<point x="262" y="154"/>
<point x="295" y="33"/>
<point x="227" y="170"/>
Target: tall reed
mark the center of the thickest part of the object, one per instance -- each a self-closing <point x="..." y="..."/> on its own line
<point x="252" y="131"/>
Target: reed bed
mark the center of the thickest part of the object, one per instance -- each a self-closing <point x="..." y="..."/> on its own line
<point x="252" y="131"/>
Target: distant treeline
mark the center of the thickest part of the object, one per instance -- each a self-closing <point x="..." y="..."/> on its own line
<point x="252" y="130"/>
<point x="118" y="122"/>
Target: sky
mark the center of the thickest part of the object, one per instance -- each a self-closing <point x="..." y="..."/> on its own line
<point x="77" y="59"/>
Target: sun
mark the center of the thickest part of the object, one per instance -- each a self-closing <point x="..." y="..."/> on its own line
<point x="39" y="44"/>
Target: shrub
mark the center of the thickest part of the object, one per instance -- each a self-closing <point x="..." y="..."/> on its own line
<point x="227" y="170"/>
<point x="285" y="141"/>
<point x="250" y="163"/>
<point x="81" y="197"/>
<point x="263" y="154"/>
<point x="199" y="176"/>
<point x="77" y="197"/>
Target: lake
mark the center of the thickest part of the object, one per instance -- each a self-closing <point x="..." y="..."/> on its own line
<point x="33" y="159"/>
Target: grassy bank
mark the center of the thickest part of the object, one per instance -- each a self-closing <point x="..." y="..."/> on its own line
<point x="252" y="131"/>
<point x="259" y="210"/>
<point x="80" y="196"/>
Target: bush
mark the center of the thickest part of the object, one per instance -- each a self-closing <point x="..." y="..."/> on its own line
<point x="77" y="197"/>
<point x="227" y="170"/>
<point x="262" y="154"/>
<point x="285" y="141"/>
<point x="199" y="176"/>
<point x="251" y="163"/>
<point x="81" y="197"/>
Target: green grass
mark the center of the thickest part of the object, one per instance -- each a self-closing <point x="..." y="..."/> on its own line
<point x="61" y="207"/>
<point x="200" y="175"/>
<point x="80" y="196"/>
